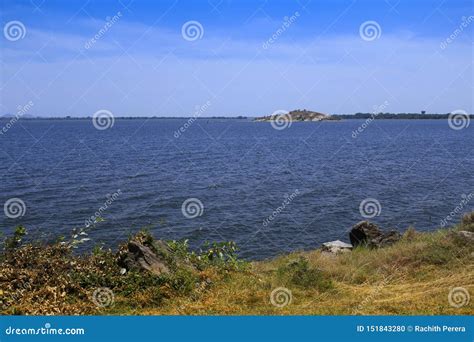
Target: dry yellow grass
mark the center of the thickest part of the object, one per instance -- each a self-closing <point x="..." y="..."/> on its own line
<point x="413" y="277"/>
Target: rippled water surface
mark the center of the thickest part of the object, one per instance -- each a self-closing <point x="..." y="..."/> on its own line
<point x="305" y="182"/>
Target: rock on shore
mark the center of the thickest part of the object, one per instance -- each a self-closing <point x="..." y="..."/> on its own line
<point x="364" y="233"/>
<point x="369" y="234"/>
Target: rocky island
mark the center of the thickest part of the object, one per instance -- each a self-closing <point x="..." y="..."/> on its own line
<point x="297" y="115"/>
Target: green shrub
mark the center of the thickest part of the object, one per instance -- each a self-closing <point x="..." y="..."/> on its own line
<point x="299" y="273"/>
<point x="15" y="241"/>
<point x="217" y="254"/>
<point x="182" y="281"/>
<point x="443" y="249"/>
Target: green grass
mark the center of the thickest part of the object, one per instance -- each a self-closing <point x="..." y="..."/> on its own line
<point x="413" y="276"/>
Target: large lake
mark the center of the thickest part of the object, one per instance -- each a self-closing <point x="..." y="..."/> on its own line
<point x="271" y="191"/>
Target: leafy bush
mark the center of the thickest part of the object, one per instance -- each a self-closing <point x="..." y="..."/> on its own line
<point x="217" y="254"/>
<point x="15" y="241"/>
<point x="40" y="278"/>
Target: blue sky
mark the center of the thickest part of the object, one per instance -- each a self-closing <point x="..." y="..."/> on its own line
<point x="142" y="65"/>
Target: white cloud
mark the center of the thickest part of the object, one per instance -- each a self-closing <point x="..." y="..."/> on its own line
<point x="163" y="74"/>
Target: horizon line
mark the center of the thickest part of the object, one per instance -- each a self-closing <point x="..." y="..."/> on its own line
<point x="30" y="117"/>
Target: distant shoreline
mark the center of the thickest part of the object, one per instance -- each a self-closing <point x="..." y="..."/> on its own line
<point x="358" y="116"/>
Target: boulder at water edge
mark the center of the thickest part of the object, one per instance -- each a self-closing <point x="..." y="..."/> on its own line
<point x="363" y="232"/>
<point x="141" y="257"/>
<point x="369" y="234"/>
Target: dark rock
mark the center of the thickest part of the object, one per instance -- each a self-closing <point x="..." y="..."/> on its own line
<point x="141" y="257"/>
<point x="386" y="239"/>
<point x="363" y="232"/>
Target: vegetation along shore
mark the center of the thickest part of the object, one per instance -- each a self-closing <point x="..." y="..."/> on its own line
<point x="414" y="273"/>
<point x="297" y="115"/>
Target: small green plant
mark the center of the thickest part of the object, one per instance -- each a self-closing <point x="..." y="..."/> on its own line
<point x="15" y="241"/>
<point x="222" y="254"/>
<point x="299" y="273"/>
<point x="183" y="281"/>
<point x="79" y="236"/>
<point x="179" y="248"/>
<point x="217" y="254"/>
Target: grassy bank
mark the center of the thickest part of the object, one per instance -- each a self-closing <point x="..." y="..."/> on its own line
<point x="413" y="276"/>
